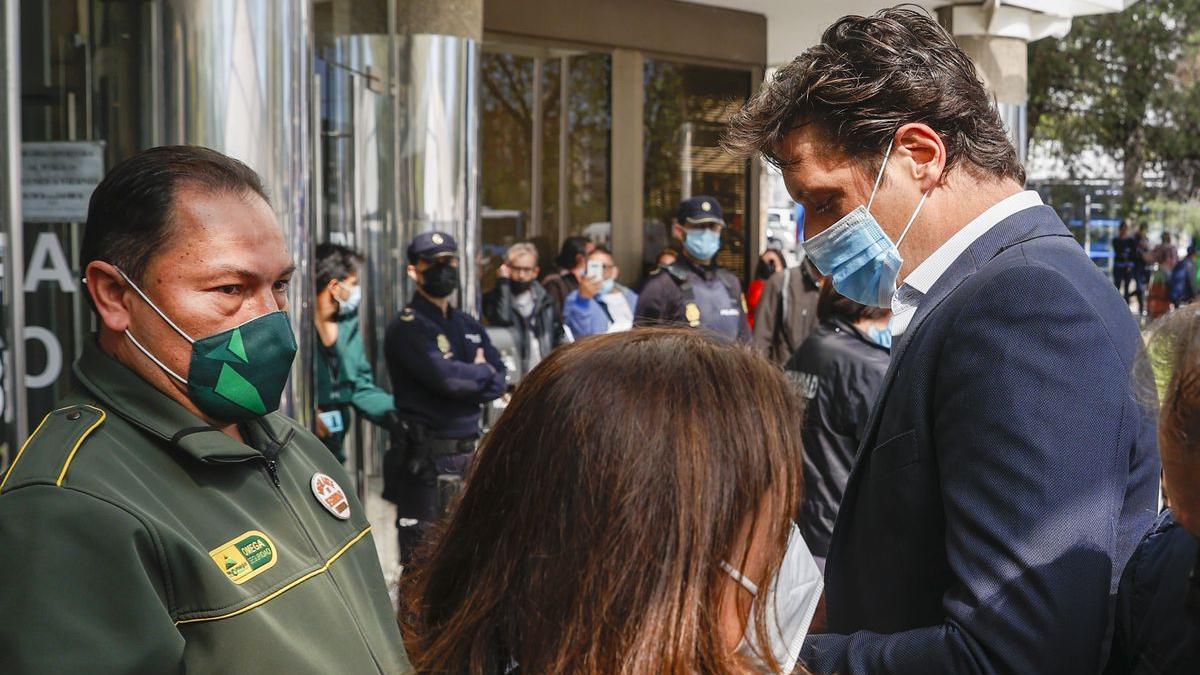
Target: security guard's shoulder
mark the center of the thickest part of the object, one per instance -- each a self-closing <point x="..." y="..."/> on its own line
<point x="677" y="274"/>
<point x="728" y="278"/>
<point x="410" y="322"/>
<point x="470" y="322"/>
<point x="47" y="455"/>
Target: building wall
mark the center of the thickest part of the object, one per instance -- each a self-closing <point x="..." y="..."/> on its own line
<point x="691" y="30"/>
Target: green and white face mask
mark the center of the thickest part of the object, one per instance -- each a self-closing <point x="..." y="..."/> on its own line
<point x="238" y="374"/>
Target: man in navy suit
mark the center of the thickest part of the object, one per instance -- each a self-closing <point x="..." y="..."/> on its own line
<point x="1008" y="469"/>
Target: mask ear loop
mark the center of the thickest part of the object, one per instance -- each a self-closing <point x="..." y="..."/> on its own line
<point x="913" y="219"/>
<point x="740" y="578"/>
<point x="879" y="178"/>
<point x="170" y="323"/>
<point x="154" y="307"/>
<point x="153" y="358"/>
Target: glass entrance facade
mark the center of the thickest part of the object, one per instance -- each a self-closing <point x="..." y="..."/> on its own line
<point x="546" y="123"/>
<point x="366" y="130"/>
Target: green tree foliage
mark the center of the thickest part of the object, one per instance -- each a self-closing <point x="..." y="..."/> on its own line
<point x="1125" y="84"/>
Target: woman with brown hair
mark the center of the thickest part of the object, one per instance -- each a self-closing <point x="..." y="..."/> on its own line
<point x="1158" y="603"/>
<point x="631" y="512"/>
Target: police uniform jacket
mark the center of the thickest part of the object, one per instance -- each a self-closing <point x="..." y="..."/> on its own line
<point x="435" y="380"/>
<point x="693" y="295"/>
<point x="137" y="539"/>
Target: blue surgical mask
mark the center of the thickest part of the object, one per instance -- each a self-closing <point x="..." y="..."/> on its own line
<point x="858" y="254"/>
<point x="607" y="286"/>
<point x="702" y="244"/>
<point x="349" y="305"/>
<point x="881" y="336"/>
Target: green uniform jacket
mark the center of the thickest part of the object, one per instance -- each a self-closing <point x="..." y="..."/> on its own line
<point x="346" y="380"/>
<point x="136" y="539"/>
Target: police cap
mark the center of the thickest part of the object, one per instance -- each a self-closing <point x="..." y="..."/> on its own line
<point x="699" y="210"/>
<point x="429" y="245"/>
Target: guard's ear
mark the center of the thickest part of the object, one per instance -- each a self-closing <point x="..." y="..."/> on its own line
<point x="413" y="274"/>
<point x="110" y="295"/>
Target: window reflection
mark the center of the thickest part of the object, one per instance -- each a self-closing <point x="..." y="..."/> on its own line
<point x="686" y="109"/>
<point x="544" y="175"/>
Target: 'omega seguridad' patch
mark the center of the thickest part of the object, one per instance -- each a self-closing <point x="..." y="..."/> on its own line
<point x="245" y="556"/>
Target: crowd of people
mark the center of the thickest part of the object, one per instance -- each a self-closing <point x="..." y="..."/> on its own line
<point x="1156" y="277"/>
<point x="938" y="450"/>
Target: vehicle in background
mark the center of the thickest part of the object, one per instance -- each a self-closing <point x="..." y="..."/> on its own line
<point x="1096" y="239"/>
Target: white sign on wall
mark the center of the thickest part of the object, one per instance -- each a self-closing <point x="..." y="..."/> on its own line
<point x="57" y="180"/>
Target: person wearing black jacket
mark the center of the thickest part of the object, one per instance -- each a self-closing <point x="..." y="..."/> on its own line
<point x="1157" y="628"/>
<point x="571" y="261"/>
<point x="838" y="371"/>
<point x="519" y="302"/>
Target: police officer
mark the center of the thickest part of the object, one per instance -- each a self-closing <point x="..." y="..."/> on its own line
<point x="443" y="368"/>
<point x="164" y="518"/>
<point x="695" y="291"/>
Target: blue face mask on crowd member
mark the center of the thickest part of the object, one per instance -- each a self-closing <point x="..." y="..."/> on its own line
<point x="607" y="286"/>
<point x="702" y="244"/>
<point x="858" y="254"/>
<point x="349" y="306"/>
<point x="881" y="336"/>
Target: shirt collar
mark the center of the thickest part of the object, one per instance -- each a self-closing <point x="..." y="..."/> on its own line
<point x="919" y="281"/>
<point x="125" y="393"/>
<point x="927" y="273"/>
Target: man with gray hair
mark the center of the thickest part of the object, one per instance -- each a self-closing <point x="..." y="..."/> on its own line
<point x="519" y="302"/>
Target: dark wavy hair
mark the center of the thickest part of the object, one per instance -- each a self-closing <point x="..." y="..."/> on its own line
<point x="335" y="262"/>
<point x="868" y="77"/>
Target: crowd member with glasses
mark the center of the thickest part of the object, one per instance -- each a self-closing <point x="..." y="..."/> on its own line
<point x="518" y="301"/>
<point x="695" y="291"/>
<point x="601" y="305"/>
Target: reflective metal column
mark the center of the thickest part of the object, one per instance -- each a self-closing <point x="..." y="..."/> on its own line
<point x="13" y="245"/>
<point x="235" y="78"/>
<point x="439" y="154"/>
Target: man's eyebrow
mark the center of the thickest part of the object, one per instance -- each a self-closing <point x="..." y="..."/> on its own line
<point x="804" y="194"/>
<point x="218" y="270"/>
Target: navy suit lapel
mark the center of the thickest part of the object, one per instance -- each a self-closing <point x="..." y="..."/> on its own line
<point x="1018" y="228"/>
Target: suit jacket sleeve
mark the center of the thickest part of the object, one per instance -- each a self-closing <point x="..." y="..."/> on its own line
<point x="1029" y="404"/>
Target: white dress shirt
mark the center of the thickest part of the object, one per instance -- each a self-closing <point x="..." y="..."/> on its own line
<point x="908" y="297"/>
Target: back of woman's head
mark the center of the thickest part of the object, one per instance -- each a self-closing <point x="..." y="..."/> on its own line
<point x="1174" y="351"/>
<point x="590" y="534"/>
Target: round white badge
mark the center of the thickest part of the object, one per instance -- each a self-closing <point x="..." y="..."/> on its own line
<point x="331" y="496"/>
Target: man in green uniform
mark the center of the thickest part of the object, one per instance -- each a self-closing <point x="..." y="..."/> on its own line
<point x="345" y="379"/>
<point x="164" y="518"/>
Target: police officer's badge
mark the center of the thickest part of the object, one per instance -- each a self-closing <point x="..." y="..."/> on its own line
<point x="443" y="344"/>
<point x="437" y="239"/>
<point x="706" y="206"/>
<point x="692" y="314"/>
